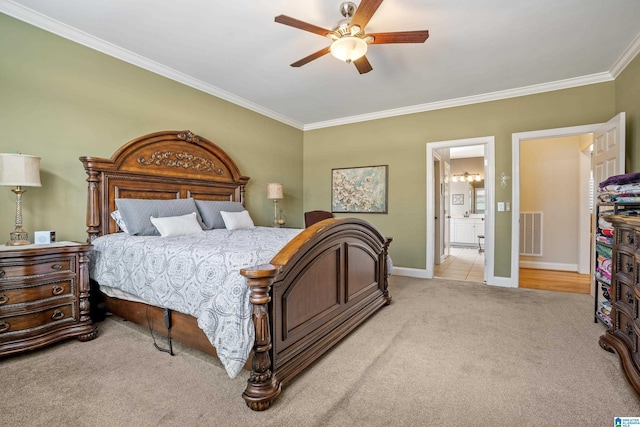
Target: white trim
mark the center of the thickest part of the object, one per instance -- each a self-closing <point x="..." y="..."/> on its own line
<point x="63" y="30"/>
<point x="467" y="100"/>
<point x="505" y="282"/>
<point x="627" y="56"/>
<point x="549" y="266"/>
<point x="409" y="272"/>
<point x="516" y="138"/>
<point x="584" y="215"/>
<point x="489" y="164"/>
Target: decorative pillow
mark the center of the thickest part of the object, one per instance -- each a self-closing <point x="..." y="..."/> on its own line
<point x="118" y="219"/>
<point x="136" y="213"/>
<point x="237" y="220"/>
<point x="210" y="211"/>
<point x="177" y="225"/>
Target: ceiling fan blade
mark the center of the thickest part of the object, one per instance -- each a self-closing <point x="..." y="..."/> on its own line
<point x="400" y="37"/>
<point x="311" y="57"/>
<point x="296" y="23"/>
<point x="364" y="12"/>
<point x="362" y="64"/>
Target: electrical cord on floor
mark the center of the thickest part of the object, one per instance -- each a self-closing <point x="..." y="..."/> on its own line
<point x="167" y="324"/>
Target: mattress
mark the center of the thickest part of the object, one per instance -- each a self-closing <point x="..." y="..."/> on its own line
<point x="197" y="275"/>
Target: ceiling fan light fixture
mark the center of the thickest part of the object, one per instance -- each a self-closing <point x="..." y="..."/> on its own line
<point x="348" y="48"/>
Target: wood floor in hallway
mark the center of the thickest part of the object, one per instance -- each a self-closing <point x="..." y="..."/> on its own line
<point x="554" y="280"/>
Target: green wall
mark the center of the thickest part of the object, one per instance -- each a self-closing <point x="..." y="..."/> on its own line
<point x="628" y="100"/>
<point x="401" y="142"/>
<point x="61" y="100"/>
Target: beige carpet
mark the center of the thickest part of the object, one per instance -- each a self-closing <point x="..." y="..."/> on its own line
<point x="445" y="353"/>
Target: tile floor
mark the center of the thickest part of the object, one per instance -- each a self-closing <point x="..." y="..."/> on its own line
<point x="462" y="264"/>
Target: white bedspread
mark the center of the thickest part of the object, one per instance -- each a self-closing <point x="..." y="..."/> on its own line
<point x="197" y="275"/>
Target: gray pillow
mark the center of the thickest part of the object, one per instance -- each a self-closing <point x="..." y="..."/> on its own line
<point x="210" y="212"/>
<point x="137" y="213"/>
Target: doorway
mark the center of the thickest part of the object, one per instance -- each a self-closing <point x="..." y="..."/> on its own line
<point x="436" y="150"/>
<point x="536" y="140"/>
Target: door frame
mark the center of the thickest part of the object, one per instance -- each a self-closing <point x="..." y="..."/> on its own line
<point x="489" y="172"/>
<point x="516" y="139"/>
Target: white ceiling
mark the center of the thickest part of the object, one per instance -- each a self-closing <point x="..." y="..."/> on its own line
<point x="476" y="51"/>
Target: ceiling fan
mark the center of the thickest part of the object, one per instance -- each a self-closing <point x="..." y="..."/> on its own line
<point x="349" y="38"/>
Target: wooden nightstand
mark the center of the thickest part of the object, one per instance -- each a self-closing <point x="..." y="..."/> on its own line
<point x="44" y="295"/>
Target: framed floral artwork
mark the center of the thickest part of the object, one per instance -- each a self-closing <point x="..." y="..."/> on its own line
<point x="359" y="189"/>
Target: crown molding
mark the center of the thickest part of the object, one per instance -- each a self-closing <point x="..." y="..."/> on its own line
<point x="627" y="56"/>
<point x="39" y="20"/>
<point x="467" y="100"/>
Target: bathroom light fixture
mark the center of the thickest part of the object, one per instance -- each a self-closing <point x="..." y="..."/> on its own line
<point x="466" y="177"/>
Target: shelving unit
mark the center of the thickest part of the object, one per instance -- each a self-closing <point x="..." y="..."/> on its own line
<point x="603" y="260"/>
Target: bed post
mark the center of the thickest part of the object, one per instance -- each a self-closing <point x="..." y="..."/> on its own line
<point x="93" y="202"/>
<point x="262" y="387"/>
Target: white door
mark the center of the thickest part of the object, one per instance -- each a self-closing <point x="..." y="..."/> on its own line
<point x="608" y="160"/>
<point x="447" y="210"/>
<point x="608" y="150"/>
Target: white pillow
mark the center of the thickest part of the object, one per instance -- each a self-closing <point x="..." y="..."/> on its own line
<point x="237" y="220"/>
<point x="177" y="225"/>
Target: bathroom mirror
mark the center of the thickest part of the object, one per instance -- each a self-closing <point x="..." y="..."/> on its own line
<point x="476" y="192"/>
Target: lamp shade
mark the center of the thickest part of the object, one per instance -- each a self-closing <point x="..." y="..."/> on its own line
<point x="19" y="170"/>
<point x="274" y="191"/>
<point x="348" y="48"/>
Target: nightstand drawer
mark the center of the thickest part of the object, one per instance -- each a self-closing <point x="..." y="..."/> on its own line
<point x="13" y="294"/>
<point x="35" y="268"/>
<point x="35" y="320"/>
<point x="44" y="295"/>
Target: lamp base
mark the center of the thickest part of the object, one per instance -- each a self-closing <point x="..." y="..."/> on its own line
<point x="18" y="238"/>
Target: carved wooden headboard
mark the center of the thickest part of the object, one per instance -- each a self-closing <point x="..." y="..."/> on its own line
<point x="160" y="165"/>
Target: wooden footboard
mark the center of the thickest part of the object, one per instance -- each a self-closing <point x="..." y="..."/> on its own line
<point x="319" y="287"/>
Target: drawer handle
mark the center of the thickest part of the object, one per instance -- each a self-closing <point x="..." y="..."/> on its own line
<point x="4" y="326"/>
<point x="1" y="273"/>
<point x="629" y="329"/>
<point x="57" y="266"/>
<point x="629" y="297"/>
<point x="57" y="290"/>
<point x="57" y="315"/>
<point x="630" y="239"/>
<point x="3" y="299"/>
<point x="630" y="267"/>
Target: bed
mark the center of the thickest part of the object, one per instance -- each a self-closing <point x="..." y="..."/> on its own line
<point x="322" y="284"/>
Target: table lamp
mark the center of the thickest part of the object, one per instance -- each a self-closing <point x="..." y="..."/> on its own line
<point x="274" y="192"/>
<point x="19" y="170"/>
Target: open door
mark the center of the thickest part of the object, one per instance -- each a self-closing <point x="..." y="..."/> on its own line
<point x="608" y="160"/>
<point x="608" y="150"/>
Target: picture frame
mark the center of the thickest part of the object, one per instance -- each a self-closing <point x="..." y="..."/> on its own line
<point x="360" y="189"/>
<point x="457" y="199"/>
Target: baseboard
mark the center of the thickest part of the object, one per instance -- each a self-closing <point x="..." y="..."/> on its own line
<point x="549" y="266"/>
<point x="409" y="272"/>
